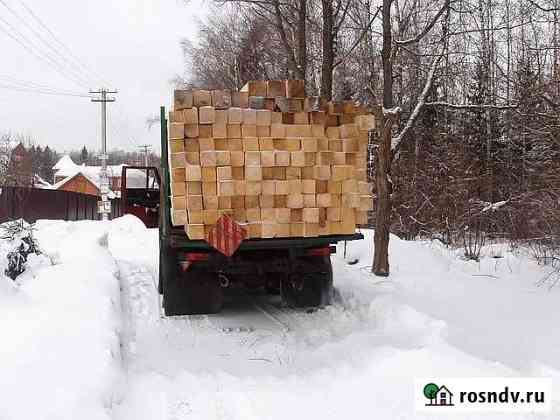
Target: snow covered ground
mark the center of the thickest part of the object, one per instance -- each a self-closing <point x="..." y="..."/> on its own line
<point x="59" y="353"/>
<point x="83" y="336"/>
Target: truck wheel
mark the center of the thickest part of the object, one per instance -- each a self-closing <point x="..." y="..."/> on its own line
<point x="167" y="265"/>
<point x="309" y="289"/>
<point x="300" y="291"/>
<point x="328" y="288"/>
<point x="193" y="292"/>
<point x="272" y="283"/>
<point x="160" y="270"/>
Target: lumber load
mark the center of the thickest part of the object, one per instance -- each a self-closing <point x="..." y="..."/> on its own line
<point x="279" y="163"/>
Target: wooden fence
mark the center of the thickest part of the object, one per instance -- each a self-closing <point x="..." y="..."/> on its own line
<point x="32" y="204"/>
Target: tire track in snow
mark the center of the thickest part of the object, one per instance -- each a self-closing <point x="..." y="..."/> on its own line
<point x="285" y="327"/>
<point x="182" y="361"/>
<point x="136" y="281"/>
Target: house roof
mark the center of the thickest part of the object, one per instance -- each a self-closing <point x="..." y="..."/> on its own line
<point x="444" y="388"/>
<point x="66" y="167"/>
<point x="94" y="181"/>
<point x="95" y="171"/>
<point x="60" y="183"/>
<point x="41" y="183"/>
<point x="65" y="162"/>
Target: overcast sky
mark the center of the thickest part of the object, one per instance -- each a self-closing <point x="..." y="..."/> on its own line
<point x="132" y="44"/>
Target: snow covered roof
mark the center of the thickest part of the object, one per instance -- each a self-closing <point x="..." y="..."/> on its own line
<point x="60" y="183"/>
<point x="41" y="183"/>
<point x="94" y="171"/>
<point x="66" y="167"/>
<point x="65" y="162"/>
<point x="94" y="181"/>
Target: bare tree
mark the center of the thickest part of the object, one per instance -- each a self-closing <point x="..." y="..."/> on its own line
<point x="470" y="90"/>
<point x="389" y="147"/>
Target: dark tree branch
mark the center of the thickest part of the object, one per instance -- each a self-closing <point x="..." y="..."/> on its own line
<point x="472" y="106"/>
<point x="358" y="40"/>
<point x="544" y="9"/>
<point x="397" y="141"/>
<point x="428" y="27"/>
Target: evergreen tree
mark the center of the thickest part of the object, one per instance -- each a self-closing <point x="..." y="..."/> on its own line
<point x="36" y="159"/>
<point x="84" y="155"/>
<point x="48" y="160"/>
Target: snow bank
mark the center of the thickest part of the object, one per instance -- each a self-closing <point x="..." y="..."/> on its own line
<point x="485" y="304"/>
<point x="60" y="355"/>
<point x="129" y="239"/>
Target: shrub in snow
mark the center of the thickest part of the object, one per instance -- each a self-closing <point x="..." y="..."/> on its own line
<point x="473" y="242"/>
<point x="20" y="235"/>
<point x="547" y="252"/>
<point x="473" y="235"/>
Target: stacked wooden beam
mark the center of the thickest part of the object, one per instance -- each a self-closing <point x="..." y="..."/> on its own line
<point x="281" y="164"/>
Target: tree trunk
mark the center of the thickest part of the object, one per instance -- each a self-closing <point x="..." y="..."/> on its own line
<point x="293" y="67"/>
<point x="301" y="40"/>
<point x="328" y="50"/>
<point x="383" y="204"/>
<point x="383" y="162"/>
<point x="386" y="56"/>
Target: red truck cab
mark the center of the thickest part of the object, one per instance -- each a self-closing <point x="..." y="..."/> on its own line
<point x="140" y="189"/>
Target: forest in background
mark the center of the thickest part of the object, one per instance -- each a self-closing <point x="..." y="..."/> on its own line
<point x="475" y="90"/>
<point x="43" y="158"/>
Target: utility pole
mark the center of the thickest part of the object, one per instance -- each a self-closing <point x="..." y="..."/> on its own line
<point x="146" y="148"/>
<point x="104" y="206"/>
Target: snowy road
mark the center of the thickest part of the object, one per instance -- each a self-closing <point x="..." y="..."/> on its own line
<point x="436" y="316"/>
<point x="260" y="360"/>
<point x="252" y="330"/>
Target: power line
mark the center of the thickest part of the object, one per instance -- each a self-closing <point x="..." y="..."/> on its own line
<point x="84" y="74"/>
<point x="77" y="73"/>
<point x="43" y="92"/>
<point x="33" y="85"/>
<point x="62" y="44"/>
<point x="74" y="72"/>
<point x="122" y="124"/>
<point x="118" y="134"/>
<point x="118" y="128"/>
<point x="41" y="56"/>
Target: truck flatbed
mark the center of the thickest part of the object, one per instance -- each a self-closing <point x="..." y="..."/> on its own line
<point x="178" y="239"/>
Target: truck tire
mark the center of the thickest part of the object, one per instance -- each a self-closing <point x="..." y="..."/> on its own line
<point x="311" y="289"/>
<point x="193" y="292"/>
<point x="273" y="282"/>
<point x="328" y="289"/>
<point x="160" y="271"/>
<point x="167" y="265"/>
